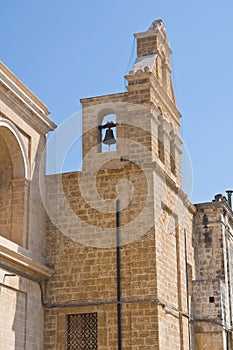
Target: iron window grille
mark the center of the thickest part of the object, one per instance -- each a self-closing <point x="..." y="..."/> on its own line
<point x="82" y="332"/>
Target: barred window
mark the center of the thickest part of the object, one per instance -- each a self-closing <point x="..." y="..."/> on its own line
<point x="81" y="332"/>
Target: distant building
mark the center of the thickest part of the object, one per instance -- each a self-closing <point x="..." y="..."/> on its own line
<point x="64" y="283"/>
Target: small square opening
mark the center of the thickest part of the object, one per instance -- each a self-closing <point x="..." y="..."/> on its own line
<point x="211" y="299"/>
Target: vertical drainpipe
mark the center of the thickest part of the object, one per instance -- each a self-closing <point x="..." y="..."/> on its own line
<point x="118" y="264"/>
<point x="187" y="285"/>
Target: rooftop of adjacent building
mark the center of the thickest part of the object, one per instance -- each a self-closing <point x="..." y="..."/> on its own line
<point x="219" y="202"/>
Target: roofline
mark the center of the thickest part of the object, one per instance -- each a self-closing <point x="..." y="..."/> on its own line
<point x="22" y="92"/>
<point x="100" y="97"/>
<point x="24" y="88"/>
<point x="216" y="204"/>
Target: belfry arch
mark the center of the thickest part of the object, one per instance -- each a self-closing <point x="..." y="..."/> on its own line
<point x="14" y="184"/>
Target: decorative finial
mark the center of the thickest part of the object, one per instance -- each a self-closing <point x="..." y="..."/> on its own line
<point x="158" y="23"/>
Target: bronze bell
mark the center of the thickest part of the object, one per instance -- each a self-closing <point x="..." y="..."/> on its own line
<point x="109" y="138"/>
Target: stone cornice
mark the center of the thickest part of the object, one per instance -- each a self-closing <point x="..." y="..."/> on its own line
<point x="138" y="75"/>
<point x="22" y="111"/>
<point x="90" y="101"/>
<point x="26" y="97"/>
<point x="24" y="264"/>
<point x="222" y="205"/>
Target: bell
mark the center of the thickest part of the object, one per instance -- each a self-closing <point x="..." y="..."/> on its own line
<point x="109" y="137"/>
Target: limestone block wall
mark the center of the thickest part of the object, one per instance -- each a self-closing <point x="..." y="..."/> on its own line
<point x="212" y="290"/>
<point x="98" y="286"/>
<point x="153" y="266"/>
<point x="21" y="313"/>
<point x="86" y="274"/>
<point x="175" y="270"/>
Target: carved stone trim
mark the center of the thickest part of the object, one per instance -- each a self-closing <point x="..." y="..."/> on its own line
<point x="24" y="264"/>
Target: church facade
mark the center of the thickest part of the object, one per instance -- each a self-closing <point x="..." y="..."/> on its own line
<point x="114" y="256"/>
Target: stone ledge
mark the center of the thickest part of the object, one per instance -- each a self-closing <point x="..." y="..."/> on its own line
<point x="24" y="264"/>
<point x="90" y="101"/>
<point x="26" y="97"/>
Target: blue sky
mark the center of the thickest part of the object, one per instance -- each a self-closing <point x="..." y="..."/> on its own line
<point x="67" y="50"/>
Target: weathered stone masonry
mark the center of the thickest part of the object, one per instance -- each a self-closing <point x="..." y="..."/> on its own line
<point x="58" y="268"/>
<point x="154" y="296"/>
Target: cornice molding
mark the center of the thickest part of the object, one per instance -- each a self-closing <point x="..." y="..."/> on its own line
<point x="89" y="101"/>
<point x="24" y="264"/>
<point x="26" y="97"/>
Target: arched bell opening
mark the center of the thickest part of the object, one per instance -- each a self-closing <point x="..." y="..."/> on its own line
<point x="14" y="185"/>
<point x="107" y="134"/>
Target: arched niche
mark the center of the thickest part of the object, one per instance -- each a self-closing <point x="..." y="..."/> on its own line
<point x="14" y="184"/>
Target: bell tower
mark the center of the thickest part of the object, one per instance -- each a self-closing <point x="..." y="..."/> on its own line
<point x="143" y="173"/>
<point x="146" y="113"/>
<point x="150" y="85"/>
